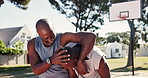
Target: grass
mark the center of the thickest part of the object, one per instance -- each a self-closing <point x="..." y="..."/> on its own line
<point x="116" y="65"/>
<point x="23" y="71"/>
<point x="119" y="64"/>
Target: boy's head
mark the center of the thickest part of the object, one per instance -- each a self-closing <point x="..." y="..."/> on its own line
<point x="74" y="54"/>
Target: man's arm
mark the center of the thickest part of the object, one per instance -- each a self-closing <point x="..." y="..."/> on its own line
<point x="104" y="68"/>
<point x="39" y="66"/>
<point x="87" y="41"/>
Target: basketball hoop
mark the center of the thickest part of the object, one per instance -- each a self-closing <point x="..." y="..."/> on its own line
<point x="123" y="17"/>
<point x="125" y="10"/>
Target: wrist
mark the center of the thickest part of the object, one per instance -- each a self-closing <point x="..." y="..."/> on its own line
<point x="71" y="71"/>
<point x="79" y="61"/>
<point x="69" y="68"/>
<point x="48" y="61"/>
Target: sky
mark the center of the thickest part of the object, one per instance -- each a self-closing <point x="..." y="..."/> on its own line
<point x="11" y="16"/>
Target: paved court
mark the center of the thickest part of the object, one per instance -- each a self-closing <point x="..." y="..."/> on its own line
<point x="139" y="74"/>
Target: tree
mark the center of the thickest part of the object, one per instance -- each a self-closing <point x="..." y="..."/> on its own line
<point x="121" y="37"/>
<point x="22" y="4"/>
<point x="112" y="37"/>
<point x="101" y="41"/>
<point x="83" y="14"/>
<point x="145" y="36"/>
<point x="144" y="33"/>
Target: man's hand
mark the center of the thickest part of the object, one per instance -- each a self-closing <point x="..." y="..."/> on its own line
<point x="81" y="68"/>
<point x="57" y="58"/>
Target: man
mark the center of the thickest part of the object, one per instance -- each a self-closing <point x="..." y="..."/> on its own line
<point x="95" y="63"/>
<point x="42" y="50"/>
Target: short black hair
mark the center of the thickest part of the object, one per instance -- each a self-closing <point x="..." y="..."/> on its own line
<point x="73" y="52"/>
<point x="45" y="21"/>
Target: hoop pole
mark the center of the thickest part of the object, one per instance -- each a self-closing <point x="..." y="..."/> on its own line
<point x="131" y="25"/>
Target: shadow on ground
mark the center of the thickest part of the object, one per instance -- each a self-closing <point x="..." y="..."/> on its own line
<point x="126" y="69"/>
<point x="16" y="72"/>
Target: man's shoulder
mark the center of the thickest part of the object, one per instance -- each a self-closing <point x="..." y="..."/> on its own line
<point x="65" y="33"/>
<point x="69" y="35"/>
<point x="31" y="42"/>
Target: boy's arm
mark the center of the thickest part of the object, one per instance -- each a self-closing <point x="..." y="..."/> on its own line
<point x="72" y="73"/>
<point x="104" y="70"/>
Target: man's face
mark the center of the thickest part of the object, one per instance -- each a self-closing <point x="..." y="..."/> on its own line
<point x="47" y="35"/>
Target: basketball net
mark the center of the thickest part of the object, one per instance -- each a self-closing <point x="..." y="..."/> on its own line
<point x="122" y="17"/>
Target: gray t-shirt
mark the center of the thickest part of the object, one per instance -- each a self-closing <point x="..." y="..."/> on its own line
<point x="55" y="71"/>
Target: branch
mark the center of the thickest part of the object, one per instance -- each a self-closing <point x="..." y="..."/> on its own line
<point x="88" y="14"/>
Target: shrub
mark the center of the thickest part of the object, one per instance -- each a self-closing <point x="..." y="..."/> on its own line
<point x="9" y="51"/>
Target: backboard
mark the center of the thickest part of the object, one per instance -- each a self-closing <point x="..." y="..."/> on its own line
<point x="125" y="10"/>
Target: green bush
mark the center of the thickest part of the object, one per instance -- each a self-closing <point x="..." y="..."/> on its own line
<point x="9" y="51"/>
<point x="2" y="47"/>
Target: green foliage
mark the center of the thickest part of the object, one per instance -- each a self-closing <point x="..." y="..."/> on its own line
<point x="144" y="18"/>
<point x="11" y="51"/>
<point x="144" y="33"/>
<point x="122" y="37"/>
<point x="22" y="4"/>
<point x="18" y="45"/>
<point x="2" y="47"/>
<point x="117" y="1"/>
<point x="1" y="2"/>
<point x="101" y="41"/>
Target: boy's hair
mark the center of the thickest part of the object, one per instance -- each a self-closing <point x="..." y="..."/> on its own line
<point x="74" y="51"/>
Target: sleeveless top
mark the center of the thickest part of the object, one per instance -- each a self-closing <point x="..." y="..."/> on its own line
<point x="55" y="71"/>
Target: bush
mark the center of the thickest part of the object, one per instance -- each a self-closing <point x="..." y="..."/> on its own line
<point x="9" y="51"/>
<point x="2" y="47"/>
